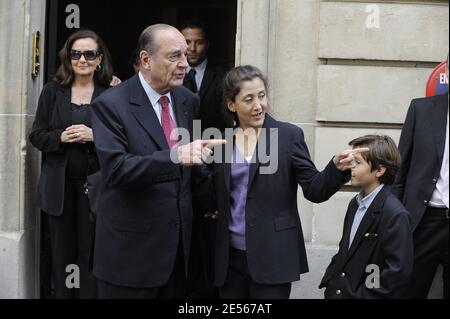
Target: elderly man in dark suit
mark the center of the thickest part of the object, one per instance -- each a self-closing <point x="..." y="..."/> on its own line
<point x="422" y="185"/>
<point x="144" y="214"/>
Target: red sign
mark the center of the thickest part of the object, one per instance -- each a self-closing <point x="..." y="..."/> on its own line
<point x="438" y="82"/>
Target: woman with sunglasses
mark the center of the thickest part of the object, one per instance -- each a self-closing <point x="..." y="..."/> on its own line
<point x="61" y="131"/>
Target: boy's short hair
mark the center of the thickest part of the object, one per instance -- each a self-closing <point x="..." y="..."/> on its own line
<point x="383" y="151"/>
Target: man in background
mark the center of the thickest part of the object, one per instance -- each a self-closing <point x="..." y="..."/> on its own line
<point x="203" y="78"/>
<point x="422" y="185"/>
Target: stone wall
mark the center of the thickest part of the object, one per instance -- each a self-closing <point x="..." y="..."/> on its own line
<point x="338" y="78"/>
<point x="19" y="219"/>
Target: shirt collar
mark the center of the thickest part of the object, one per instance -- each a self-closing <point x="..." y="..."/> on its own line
<point x="367" y="201"/>
<point x="199" y="68"/>
<point x="153" y="96"/>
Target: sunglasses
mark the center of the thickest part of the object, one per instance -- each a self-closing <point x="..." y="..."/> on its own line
<point x="89" y="55"/>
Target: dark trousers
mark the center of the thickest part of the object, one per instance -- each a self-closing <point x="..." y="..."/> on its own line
<point x="71" y="236"/>
<point x="240" y="285"/>
<point x="175" y="288"/>
<point x="201" y="260"/>
<point x="430" y="249"/>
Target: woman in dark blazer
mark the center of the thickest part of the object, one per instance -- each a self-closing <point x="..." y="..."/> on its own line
<point x="61" y="131"/>
<point x="260" y="248"/>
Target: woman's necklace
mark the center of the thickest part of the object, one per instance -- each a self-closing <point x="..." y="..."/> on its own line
<point x="82" y="96"/>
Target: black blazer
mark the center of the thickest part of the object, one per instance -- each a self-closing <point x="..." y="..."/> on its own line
<point x="211" y="96"/>
<point x="275" y="245"/>
<point x="146" y="200"/>
<point x="421" y="146"/>
<point x="384" y="239"/>
<point x="53" y="116"/>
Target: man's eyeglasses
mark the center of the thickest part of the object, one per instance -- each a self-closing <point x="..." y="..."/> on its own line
<point x="89" y="55"/>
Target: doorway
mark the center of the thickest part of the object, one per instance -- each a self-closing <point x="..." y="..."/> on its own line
<point x="120" y="25"/>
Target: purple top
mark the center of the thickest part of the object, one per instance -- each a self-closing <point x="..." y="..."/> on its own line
<point x="238" y="198"/>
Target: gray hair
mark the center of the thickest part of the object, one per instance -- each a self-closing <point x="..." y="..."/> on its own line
<point x="147" y="40"/>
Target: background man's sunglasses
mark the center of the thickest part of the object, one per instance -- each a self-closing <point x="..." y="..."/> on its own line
<point x="89" y="55"/>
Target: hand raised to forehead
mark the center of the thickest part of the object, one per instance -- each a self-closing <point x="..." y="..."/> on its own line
<point x="344" y="160"/>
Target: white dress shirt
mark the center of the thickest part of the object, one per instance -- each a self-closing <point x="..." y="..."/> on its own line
<point x="200" y="73"/>
<point x="154" y="97"/>
<point x="439" y="199"/>
<point x="363" y="206"/>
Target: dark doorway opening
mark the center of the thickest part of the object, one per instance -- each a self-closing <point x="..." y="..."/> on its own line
<point x="119" y="24"/>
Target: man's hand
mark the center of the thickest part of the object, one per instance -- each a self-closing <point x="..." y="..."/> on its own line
<point x="344" y="160"/>
<point x="212" y="215"/>
<point x="115" y="81"/>
<point x="197" y="152"/>
<point x="77" y="134"/>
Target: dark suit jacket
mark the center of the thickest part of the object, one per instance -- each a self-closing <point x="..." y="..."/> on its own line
<point x="384" y="239"/>
<point x="146" y="199"/>
<point x="53" y="116"/>
<point x="421" y="146"/>
<point x="211" y="113"/>
<point x="275" y="245"/>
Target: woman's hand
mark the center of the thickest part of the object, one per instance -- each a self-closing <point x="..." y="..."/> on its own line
<point x="77" y="134"/>
<point x="345" y="160"/>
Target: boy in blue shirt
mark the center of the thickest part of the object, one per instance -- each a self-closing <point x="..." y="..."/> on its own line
<point x="375" y="257"/>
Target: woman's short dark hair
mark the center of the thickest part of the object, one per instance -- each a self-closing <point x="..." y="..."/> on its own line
<point x="232" y="85"/>
<point x="65" y="75"/>
<point x="383" y="152"/>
